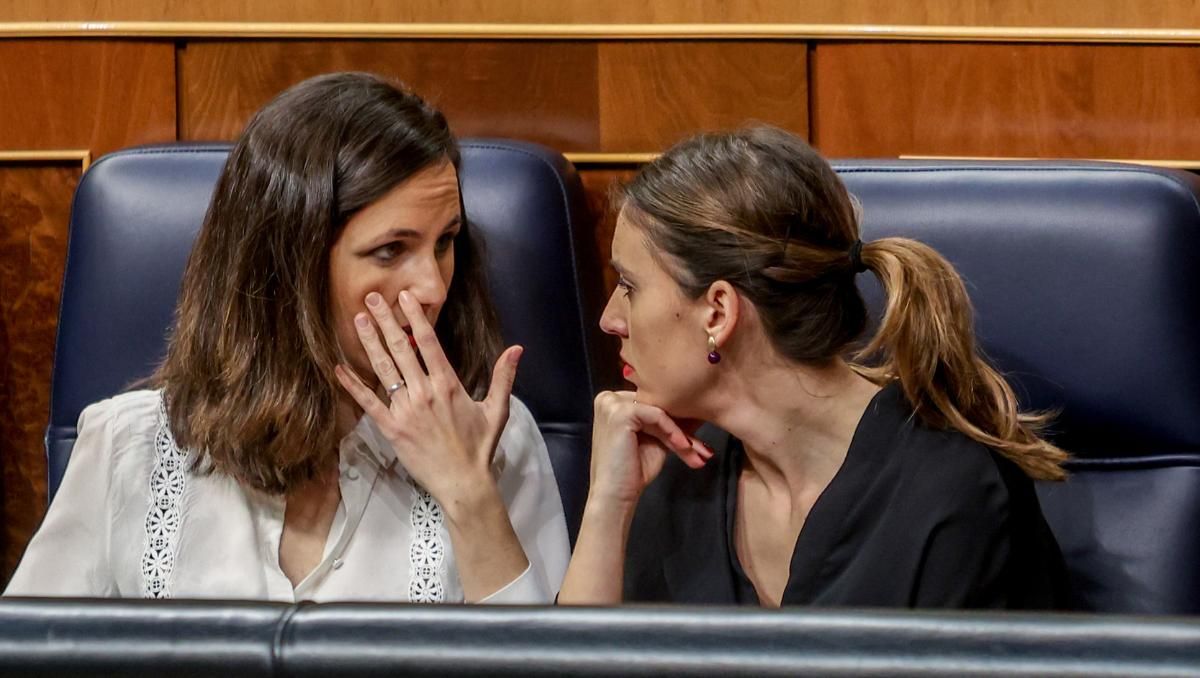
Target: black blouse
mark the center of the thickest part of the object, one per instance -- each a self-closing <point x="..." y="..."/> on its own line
<point x="915" y="517"/>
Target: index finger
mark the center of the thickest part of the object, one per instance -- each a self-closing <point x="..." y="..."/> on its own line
<point x="426" y="337"/>
<point x="656" y="422"/>
<point x="396" y="342"/>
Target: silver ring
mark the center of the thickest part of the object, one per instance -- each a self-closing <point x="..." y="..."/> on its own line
<point x="391" y="390"/>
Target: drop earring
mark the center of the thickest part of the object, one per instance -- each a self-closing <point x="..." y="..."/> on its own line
<point x="713" y="356"/>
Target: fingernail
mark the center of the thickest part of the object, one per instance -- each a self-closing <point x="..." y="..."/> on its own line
<point x="405" y="296"/>
<point x="516" y="356"/>
<point x="373" y="299"/>
<point x="361" y="320"/>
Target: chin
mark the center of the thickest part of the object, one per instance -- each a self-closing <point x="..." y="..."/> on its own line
<point x="647" y="397"/>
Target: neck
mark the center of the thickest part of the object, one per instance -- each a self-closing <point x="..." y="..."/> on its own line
<point x="795" y="422"/>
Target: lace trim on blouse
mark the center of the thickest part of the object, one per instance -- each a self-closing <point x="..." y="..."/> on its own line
<point x="427" y="554"/>
<point x="168" y="479"/>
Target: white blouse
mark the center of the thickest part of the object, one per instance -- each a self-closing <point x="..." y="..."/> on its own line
<point x="131" y="519"/>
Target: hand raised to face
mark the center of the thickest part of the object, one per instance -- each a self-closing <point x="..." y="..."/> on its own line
<point x="444" y="438"/>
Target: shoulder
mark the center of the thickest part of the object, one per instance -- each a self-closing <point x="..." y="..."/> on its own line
<point x="944" y="466"/>
<point x="116" y="438"/>
<point x="119" y="432"/>
<point x="947" y="455"/>
<point x="129" y="416"/>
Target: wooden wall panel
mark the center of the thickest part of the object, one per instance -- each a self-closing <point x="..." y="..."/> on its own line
<point x="1089" y="101"/>
<point x="608" y="96"/>
<point x="34" y="206"/>
<point x="539" y="91"/>
<point x="655" y="93"/>
<point x="597" y="183"/>
<point x="1105" y="13"/>
<point x="96" y="95"/>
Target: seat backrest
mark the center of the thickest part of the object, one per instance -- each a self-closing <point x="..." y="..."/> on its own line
<point x="137" y="212"/>
<point x="1086" y="283"/>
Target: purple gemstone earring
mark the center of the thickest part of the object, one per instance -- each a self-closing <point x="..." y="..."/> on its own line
<point x="713" y="356"/>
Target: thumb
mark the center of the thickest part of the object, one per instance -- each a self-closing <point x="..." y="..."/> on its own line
<point x="503" y="376"/>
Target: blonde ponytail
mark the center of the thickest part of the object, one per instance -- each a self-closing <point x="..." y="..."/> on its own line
<point x="927" y="341"/>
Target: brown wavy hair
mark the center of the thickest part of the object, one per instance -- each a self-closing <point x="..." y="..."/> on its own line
<point x="762" y="210"/>
<point x="248" y="377"/>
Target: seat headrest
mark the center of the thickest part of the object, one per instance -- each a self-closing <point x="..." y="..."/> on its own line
<point x="1085" y="279"/>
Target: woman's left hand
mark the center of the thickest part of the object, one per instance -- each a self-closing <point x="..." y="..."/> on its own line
<point x="443" y="437"/>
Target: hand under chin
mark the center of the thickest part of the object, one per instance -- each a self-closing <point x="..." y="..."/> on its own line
<point x="688" y="426"/>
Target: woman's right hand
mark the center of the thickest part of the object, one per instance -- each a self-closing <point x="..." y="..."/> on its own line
<point x="630" y="444"/>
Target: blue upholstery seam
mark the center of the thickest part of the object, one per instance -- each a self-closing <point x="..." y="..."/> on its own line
<point x="281" y="627"/>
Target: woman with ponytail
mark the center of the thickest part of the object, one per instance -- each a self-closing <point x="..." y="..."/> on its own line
<point x="887" y="471"/>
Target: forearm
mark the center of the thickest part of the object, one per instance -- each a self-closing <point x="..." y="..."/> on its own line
<point x="596" y="573"/>
<point x="486" y="547"/>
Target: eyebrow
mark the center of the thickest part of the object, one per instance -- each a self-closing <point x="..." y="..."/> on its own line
<point x="619" y="268"/>
<point x="402" y="233"/>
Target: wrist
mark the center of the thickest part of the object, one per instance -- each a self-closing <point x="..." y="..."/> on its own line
<point x="471" y="498"/>
<point x="608" y="509"/>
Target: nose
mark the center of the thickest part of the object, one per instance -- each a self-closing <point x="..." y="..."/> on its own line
<point x="612" y="321"/>
<point x="427" y="283"/>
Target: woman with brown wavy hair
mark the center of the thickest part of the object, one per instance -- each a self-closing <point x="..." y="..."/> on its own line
<point x="899" y="478"/>
<point x="323" y="425"/>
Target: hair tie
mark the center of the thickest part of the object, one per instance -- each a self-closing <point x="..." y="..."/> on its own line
<point x="856" y="262"/>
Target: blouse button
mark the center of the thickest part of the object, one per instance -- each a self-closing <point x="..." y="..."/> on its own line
<point x="352" y="473"/>
<point x="337" y="563"/>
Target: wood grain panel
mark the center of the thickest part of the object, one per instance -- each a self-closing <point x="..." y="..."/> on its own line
<point x="34" y="207"/>
<point x="1106" y="13"/>
<point x="539" y="91"/>
<point x="98" y="95"/>
<point x="654" y="93"/>
<point x="598" y="183"/>
<point x="1110" y="101"/>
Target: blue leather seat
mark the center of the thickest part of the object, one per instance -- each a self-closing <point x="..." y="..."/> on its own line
<point x="136" y="213"/>
<point x="1086" y="284"/>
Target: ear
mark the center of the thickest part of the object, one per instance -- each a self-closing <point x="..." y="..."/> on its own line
<point x="722" y="311"/>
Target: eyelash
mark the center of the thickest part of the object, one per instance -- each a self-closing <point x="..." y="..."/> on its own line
<point x="626" y="288"/>
<point x="445" y="242"/>
<point x="388" y="253"/>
